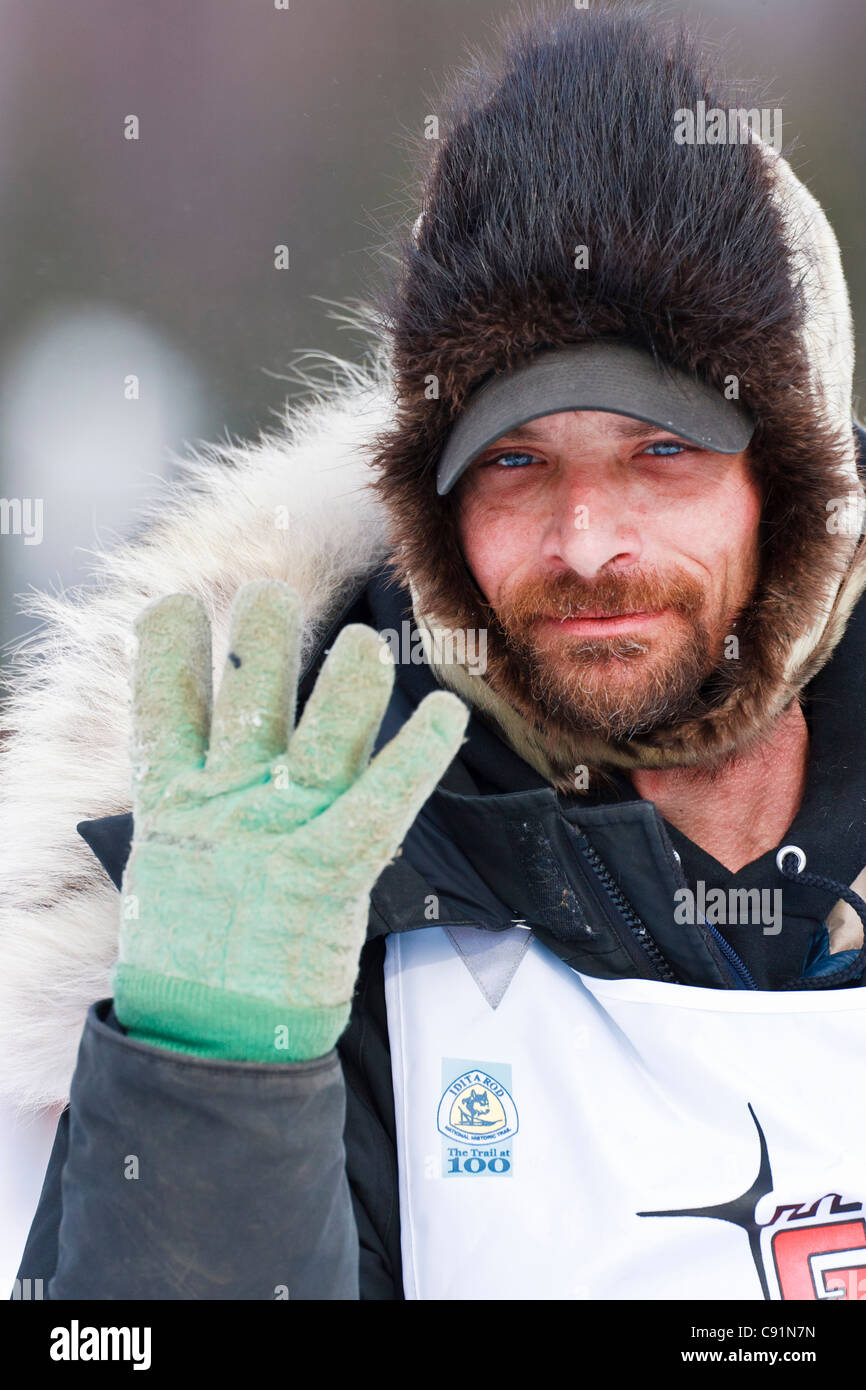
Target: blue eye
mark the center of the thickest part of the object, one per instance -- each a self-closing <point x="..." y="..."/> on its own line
<point x="517" y="459"/>
<point x="667" y="446"/>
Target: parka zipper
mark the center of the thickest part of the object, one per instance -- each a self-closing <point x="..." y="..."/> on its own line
<point x="737" y="968"/>
<point x="626" y="911"/>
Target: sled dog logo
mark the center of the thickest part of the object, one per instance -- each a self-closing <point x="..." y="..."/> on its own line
<point x="474" y="1109"/>
<point x="477" y="1109"/>
<point x="810" y="1251"/>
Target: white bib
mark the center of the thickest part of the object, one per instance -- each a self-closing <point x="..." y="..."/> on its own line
<point x="540" y="1112"/>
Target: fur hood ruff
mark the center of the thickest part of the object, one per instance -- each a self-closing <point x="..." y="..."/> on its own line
<point x="295" y="505"/>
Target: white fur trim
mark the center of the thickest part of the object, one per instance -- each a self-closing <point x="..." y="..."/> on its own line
<point x="828" y="333"/>
<point x="66" y="721"/>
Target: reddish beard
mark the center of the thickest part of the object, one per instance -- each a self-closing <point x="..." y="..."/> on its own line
<point x="616" y="687"/>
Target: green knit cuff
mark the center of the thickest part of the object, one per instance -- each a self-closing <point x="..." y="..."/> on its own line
<point x="183" y="1016"/>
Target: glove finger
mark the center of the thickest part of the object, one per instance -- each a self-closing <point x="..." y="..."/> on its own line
<point x="335" y="735"/>
<point x="171" y="693"/>
<point x="254" y="708"/>
<point x="369" y="822"/>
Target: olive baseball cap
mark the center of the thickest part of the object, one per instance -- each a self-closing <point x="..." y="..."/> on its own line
<point x="601" y="375"/>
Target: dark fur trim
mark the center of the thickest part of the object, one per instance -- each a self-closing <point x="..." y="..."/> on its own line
<point x="566" y="140"/>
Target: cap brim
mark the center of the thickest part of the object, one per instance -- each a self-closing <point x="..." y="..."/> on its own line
<point x="615" y="377"/>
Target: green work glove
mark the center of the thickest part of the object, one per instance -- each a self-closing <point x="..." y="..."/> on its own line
<point x="246" y="895"/>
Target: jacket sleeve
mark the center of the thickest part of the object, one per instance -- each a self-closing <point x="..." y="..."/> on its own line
<point x="176" y="1177"/>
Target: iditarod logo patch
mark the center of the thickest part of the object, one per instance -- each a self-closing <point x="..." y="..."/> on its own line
<point x="477" y="1118"/>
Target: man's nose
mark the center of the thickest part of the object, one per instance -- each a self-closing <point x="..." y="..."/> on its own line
<point x="590" y="530"/>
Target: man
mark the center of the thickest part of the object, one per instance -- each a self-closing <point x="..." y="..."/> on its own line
<point x="609" y="998"/>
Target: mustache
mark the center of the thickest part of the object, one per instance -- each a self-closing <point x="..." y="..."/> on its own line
<point x="568" y="596"/>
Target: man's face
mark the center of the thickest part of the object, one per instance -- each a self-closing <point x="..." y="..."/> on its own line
<point x="616" y="557"/>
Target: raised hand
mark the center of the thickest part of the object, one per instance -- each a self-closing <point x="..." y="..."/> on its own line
<point x="256" y="844"/>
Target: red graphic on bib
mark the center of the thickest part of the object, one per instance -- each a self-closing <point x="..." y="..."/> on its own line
<point x="804" y="1252"/>
<point x="816" y="1258"/>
